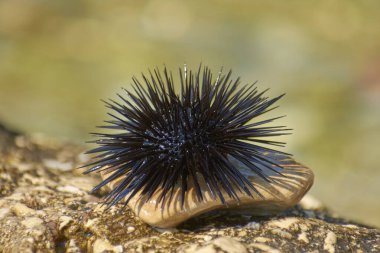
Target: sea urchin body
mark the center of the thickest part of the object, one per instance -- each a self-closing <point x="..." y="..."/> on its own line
<point x="164" y="140"/>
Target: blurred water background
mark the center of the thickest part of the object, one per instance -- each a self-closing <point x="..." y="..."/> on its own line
<point x="59" y="58"/>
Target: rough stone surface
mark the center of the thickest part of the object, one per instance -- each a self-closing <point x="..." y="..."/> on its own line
<point x="294" y="182"/>
<point x="45" y="206"/>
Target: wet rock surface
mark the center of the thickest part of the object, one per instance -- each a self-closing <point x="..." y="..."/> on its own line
<point x="45" y="206"/>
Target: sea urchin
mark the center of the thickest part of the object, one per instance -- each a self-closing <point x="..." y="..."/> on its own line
<point x="163" y="140"/>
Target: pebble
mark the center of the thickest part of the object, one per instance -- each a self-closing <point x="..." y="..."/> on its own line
<point x="350" y="226"/>
<point x="310" y="214"/>
<point x="283" y="223"/>
<point x="21" y="141"/>
<point x="100" y="208"/>
<point x="83" y="158"/>
<point x="32" y="222"/>
<point x="303" y="227"/>
<point x="22" y="210"/>
<point x="102" y="245"/>
<point x="303" y="237"/>
<point x="4" y="212"/>
<point x="118" y="248"/>
<point x="311" y="203"/>
<point x="64" y="221"/>
<point x="29" y="239"/>
<point x="225" y="244"/>
<point x="242" y="233"/>
<point x="54" y="164"/>
<point x="131" y="229"/>
<point x="90" y="224"/>
<point x="281" y="233"/>
<point x="72" y="247"/>
<point x="70" y="189"/>
<point x="42" y="188"/>
<point x="166" y="230"/>
<point x="18" y="196"/>
<point x="24" y="167"/>
<point x="330" y="242"/>
<point x="207" y="238"/>
<point x="83" y="183"/>
<point x="38" y="234"/>
<point x="91" y="199"/>
<point x="261" y="239"/>
<point x="264" y="248"/>
<point x="40" y="213"/>
<point x="253" y="225"/>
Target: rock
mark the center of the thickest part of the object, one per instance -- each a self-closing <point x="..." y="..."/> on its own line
<point x="130" y="229"/>
<point x="22" y="210"/>
<point x="207" y="238"/>
<point x="54" y="164"/>
<point x="64" y="221"/>
<point x="262" y="239"/>
<point x="264" y="248"/>
<point x="287" y="192"/>
<point x="284" y="223"/>
<point x="311" y="203"/>
<point x="222" y="244"/>
<point x="70" y="189"/>
<point x="72" y="247"/>
<point x="103" y="246"/>
<point x="253" y="225"/>
<point x="330" y="242"/>
<point x="303" y="237"/>
<point x="91" y="224"/>
<point x="281" y="233"/>
<point x="32" y="222"/>
<point x="39" y="213"/>
<point x="4" y="212"/>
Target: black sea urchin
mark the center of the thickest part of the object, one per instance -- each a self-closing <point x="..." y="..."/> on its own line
<point x="167" y="140"/>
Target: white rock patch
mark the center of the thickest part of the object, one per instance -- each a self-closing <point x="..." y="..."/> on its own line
<point x="283" y="223"/>
<point x="330" y="242"/>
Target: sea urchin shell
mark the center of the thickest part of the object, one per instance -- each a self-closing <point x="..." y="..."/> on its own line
<point x="167" y="144"/>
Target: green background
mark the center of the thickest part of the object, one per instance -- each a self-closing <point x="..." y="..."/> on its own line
<point x="59" y="58"/>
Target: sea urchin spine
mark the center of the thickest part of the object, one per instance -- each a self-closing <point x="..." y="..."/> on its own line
<point x="165" y="140"/>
